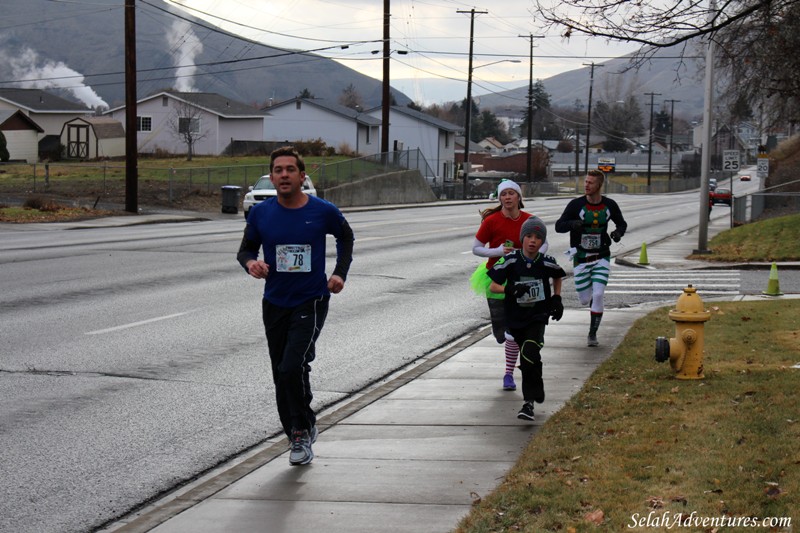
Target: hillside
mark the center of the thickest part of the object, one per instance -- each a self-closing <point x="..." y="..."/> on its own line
<point x="670" y="77"/>
<point x="81" y="46"/>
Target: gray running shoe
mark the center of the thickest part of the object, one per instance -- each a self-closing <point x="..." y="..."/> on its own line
<point x="300" y="453"/>
<point x="591" y="340"/>
<point x="526" y="413"/>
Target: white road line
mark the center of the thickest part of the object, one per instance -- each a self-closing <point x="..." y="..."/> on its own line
<point x="136" y="324"/>
<point x="703" y="292"/>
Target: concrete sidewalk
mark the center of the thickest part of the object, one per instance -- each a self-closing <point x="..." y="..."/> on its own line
<point x="410" y="454"/>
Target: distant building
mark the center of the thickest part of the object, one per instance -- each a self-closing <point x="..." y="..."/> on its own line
<point x="216" y="120"/>
<point x="93" y="137"/>
<point x="305" y="119"/>
<point x="21" y="134"/>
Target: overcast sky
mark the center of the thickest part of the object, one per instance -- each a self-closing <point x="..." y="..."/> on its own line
<point x="433" y="32"/>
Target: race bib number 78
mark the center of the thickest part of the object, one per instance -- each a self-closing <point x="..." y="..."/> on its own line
<point x="293" y="257"/>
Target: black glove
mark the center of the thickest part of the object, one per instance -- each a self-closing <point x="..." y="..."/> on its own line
<point x="616" y="235"/>
<point x="514" y="290"/>
<point x="577" y="225"/>
<point x="556" y="308"/>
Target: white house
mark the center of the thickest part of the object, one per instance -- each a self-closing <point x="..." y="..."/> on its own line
<point x="49" y="111"/>
<point x="93" y="137"/>
<point x="435" y="138"/>
<point x="215" y="121"/>
<point x="340" y="127"/>
<point x="21" y="134"/>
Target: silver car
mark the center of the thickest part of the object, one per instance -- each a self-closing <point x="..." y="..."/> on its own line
<point x="264" y="189"/>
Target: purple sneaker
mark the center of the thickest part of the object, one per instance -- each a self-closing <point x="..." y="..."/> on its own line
<point x="508" y="382"/>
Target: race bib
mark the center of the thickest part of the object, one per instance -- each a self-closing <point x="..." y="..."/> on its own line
<point x="534" y="293"/>
<point x="590" y="241"/>
<point x="293" y="257"/>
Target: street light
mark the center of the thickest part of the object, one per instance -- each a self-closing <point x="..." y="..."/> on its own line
<point x="468" y="109"/>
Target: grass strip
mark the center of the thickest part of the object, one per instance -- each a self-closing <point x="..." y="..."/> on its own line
<point x="774" y="239"/>
<point x="637" y="442"/>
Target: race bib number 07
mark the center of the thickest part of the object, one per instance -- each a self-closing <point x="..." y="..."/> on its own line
<point x="293" y="257"/>
<point x="535" y="292"/>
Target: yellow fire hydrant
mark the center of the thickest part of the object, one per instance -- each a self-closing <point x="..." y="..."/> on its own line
<point x="685" y="350"/>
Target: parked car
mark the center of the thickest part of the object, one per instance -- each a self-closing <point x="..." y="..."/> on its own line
<point x="745" y="177"/>
<point x="720" y="196"/>
<point x="712" y="184"/>
<point x="264" y="189"/>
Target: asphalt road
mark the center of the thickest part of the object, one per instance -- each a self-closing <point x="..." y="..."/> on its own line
<point x="133" y="359"/>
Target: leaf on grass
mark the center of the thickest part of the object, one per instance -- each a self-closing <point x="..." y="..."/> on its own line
<point x="595" y="517"/>
<point x="476" y="499"/>
<point x="746" y="319"/>
<point x="773" y="490"/>
<point x="654" y="502"/>
<point x="675" y="390"/>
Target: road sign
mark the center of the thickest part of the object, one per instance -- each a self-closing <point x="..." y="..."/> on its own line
<point x="762" y="166"/>
<point x="730" y="160"/>
<point x="606" y="164"/>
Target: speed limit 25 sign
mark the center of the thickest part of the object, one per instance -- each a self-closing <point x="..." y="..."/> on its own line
<point x="730" y="160"/>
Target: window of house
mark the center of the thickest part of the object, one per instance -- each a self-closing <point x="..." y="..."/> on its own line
<point x="369" y="131"/>
<point x="164" y="101"/>
<point x="188" y="125"/>
<point x="446" y="140"/>
<point x="144" y="123"/>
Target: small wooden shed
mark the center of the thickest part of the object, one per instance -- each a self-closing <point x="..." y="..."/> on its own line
<point x="93" y="137"/>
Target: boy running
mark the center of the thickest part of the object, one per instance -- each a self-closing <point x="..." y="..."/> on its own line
<point x="524" y="277"/>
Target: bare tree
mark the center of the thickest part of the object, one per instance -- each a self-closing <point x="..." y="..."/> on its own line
<point x="186" y="125"/>
<point x="351" y="98"/>
<point x="754" y="39"/>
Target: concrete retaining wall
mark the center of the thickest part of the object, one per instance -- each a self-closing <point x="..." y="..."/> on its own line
<point x="403" y="187"/>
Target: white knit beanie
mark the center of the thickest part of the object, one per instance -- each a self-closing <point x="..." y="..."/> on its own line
<point x="508" y="184"/>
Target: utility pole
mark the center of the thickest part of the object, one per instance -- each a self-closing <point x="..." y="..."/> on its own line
<point x="529" y="159"/>
<point x="589" y="116"/>
<point x="131" y="146"/>
<point x="468" y="107"/>
<point x="671" y="131"/>
<point x="705" y="163"/>
<point x="650" y="139"/>
<point x="386" y="100"/>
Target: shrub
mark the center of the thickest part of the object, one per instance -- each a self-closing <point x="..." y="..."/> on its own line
<point x="4" y="155"/>
<point x="42" y="204"/>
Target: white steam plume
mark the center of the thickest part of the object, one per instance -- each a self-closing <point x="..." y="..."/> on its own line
<point x="50" y="74"/>
<point x="185" y="47"/>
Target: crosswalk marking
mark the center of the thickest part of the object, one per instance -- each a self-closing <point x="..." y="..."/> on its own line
<point x="713" y="282"/>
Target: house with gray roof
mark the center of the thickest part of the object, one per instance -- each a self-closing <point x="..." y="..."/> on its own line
<point x="22" y="135"/>
<point x="305" y="119"/>
<point x="410" y="129"/>
<point x="93" y="137"/>
<point x="213" y="121"/>
<point x="49" y="111"/>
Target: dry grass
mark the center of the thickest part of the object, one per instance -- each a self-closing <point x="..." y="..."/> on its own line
<point x="636" y="440"/>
